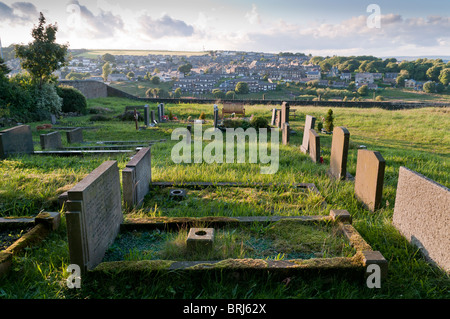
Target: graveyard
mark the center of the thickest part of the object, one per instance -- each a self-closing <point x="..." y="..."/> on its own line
<point x="104" y="193"/>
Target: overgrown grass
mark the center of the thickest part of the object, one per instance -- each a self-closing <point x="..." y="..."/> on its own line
<point x="418" y="139"/>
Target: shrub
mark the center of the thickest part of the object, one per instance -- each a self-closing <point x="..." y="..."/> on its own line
<point x="319" y="126"/>
<point x="202" y="116"/>
<point x="329" y="126"/>
<point x="129" y="116"/>
<point x="73" y="100"/>
<point x="99" y="110"/>
<point x="379" y="98"/>
<point x="259" y="122"/>
<point x="47" y="101"/>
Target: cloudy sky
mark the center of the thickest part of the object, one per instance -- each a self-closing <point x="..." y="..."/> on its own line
<point x="321" y="27"/>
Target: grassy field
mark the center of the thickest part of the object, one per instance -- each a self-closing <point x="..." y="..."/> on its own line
<point x="418" y="139"/>
<point x="95" y="53"/>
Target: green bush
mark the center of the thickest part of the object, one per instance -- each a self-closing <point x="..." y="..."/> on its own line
<point x="47" y="101"/>
<point x="73" y="100"/>
<point x="329" y="126"/>
<point x="259" y="122"/>
<point x="202" y="116"/>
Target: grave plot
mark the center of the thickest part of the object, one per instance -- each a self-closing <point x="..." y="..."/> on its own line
<point x="231" y="199"/>
<point x="18" y="233"/>
<point x="287" y="244"/>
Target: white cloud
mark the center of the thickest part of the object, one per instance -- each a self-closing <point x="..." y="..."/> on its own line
<point x="165" y="26"/>
<point x="18" y="12"/>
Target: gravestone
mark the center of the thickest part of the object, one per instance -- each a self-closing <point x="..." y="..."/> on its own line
<point x="339" y="153"/>
<point x="94" y="215"/>
<point x="278" y="118"/>
<point x="422" y="215"/>
<point x="53" y="119"/>
<point x="162" y="110"/>
<point x="146" y="116"/>
<point x="51" y="141"/>
<point x="152" y="117"/>
<point x="16" y="140"/>
<point x="75" y="136"/>
<point x="274" y="117"/>
<point x="285" y="134"/>
<point x="189" y="134"/>
<point x="136" y="178"/>
<point x="309" y="124"/>
<point x="370" y="166"/>
<point x="314" y="146"/>
<point x="284" y="113"/>
<point x="160" y="116"/>
<point x="216" y="117"/>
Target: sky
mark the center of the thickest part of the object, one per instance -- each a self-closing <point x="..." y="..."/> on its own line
<point x="322" y="27"/>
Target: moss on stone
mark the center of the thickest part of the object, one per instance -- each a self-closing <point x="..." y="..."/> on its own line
<point x="116" y="267"/>
<point x="246" y="263"/>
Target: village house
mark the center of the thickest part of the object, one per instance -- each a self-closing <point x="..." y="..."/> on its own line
<point x="346" y="75"/>
<point x="363" y="78"/>
<point x="313" y="75"/>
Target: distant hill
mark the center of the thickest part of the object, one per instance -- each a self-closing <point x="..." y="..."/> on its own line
<point x="95" y="53"/>
<point x="413" y="58"/>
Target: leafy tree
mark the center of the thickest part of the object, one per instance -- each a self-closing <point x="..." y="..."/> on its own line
<point x="363" y="90"/>
<point x="43" y="56"/>
<point x="218" y="94"/>
<point x="242" y="88"/>
<point x="108" y="57"/>
<point x="177" y="93"/>
<point x="444" y="76"/>
<point x="429" y="87"/>
<point x="230" y="95"/>
<point x="185" y="68"/>
<point x="434" y="72"/>
<point x="400" y="80"/>
<point x="3" y="68"/>
<point x="107" y="70"/>
<point x="155" y="79"/>
<point x="130" y="75"/>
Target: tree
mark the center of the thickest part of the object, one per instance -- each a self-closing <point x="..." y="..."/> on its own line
<point x="177" y="93"/>
<point x="218" y="94"/>
<point x="444" y="76"/>
<point x="242" y="88"/>
<point x="230" y="95"/>
<point x="130" y="75"/>
<point x="43" y="56"/>
<point x="434" y="72"/>
<point x="155" y="80"/>
<point x="108" y="57"/>
<point x="363" y="90"/>
<point x="185" y="68"/>
<point x="3" y="68"/>
<point x="106" y="71"/>
<point x="429" y="87"/>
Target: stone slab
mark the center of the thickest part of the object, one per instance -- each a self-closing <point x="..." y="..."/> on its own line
<point x="309" y="124"/>
<point x="314" y="146"/>
<point x="51" y="141"/>
<point x="339" y="152"/>
<point x="422" y="215"/>
<point x="370" y="166"/>
<point x="94" y="215"/>
<point x="200" y="238"/>
<point x="284" y="113"/>
<point x="285" y="133"/>
<point x="75" y="136"/>
<point x="16" y="140"/>
<point x="136" y="178"/>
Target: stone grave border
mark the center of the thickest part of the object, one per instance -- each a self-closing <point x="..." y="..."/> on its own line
<point x="354" y="265"/>
<point x="41" y="226"/>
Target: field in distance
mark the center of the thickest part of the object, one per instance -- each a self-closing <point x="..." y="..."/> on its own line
<point x="94" y="53"/>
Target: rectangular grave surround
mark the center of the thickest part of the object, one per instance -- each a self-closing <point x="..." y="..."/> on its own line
<point x="340" y="219"/>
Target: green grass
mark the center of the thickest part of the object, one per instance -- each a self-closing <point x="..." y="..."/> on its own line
<point x="418" y="139"/>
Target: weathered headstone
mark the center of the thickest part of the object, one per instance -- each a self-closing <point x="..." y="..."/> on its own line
<point x="284" y="113"/>
<point x="16" y="140"/>
<point x="162" y="110"/>
<point x="274" y="117"/>
<point x="94" y="215"/>
<point x="278" y="119"/>
<point x="422" y="215"/>
<point x="152" y="117"/>
<point x="136" y="178"/>
<point x="53" y="119"/>
<point x="75" y="136"/>
<point x="160" y="116"/>
<point x="51" y="141"/>
<point x="216" y="118"/>
<point x="370" y="166"/>
<point x="339" y="153"/>
<point x="146" y="116"/>
<point x="314" y="146"/>
<point x="189" y="134"/>
<point x="309" y="124"/>
<point x="285" y="134"/>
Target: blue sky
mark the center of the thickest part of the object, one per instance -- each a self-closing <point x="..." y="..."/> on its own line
<point x="323" y="27"/>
